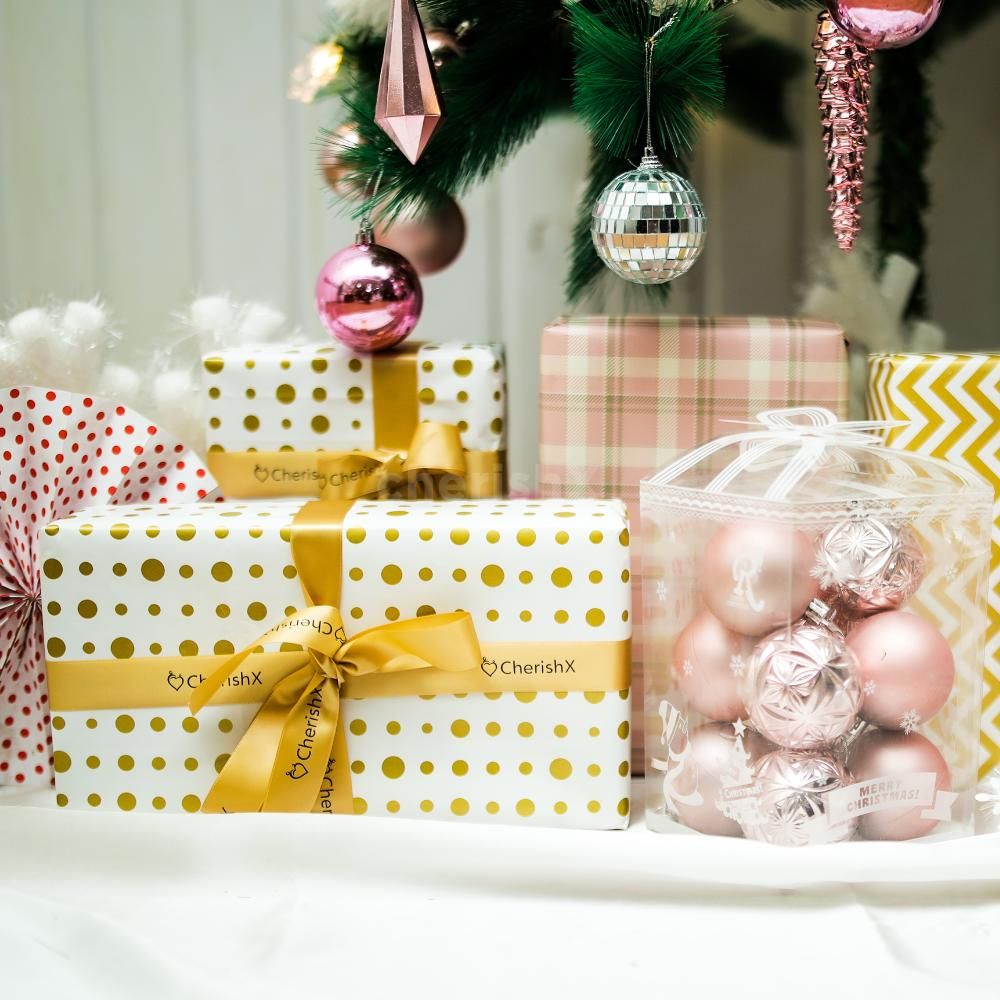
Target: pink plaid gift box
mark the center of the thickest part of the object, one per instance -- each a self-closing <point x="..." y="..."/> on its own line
<point x="622" y="396"/>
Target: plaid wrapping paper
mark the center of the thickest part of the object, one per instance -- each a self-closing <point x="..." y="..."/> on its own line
<point x="951" y="407"/>
<point x="622" y="396"/>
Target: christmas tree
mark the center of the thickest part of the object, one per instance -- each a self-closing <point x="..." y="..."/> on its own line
<point x="506" y="67"/>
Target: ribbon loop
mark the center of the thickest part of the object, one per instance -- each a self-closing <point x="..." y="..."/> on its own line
<point x="287" y="754"/>
<point x="433" y="466"/>
<point x="812" y="430"/>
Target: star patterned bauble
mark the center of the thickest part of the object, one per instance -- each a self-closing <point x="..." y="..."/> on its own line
<point x="866" y="565"/>
<point x="804" y="686"/>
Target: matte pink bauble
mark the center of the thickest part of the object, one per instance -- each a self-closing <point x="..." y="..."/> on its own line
<point x="709" y="663"/>
<point x="369" y="297"/>
<point x="431" y="242"/>
<point x="885" y="24"/>
<point x="907" y="669"/>
<point x="897" y="755"/>
<point x="712" y="749"/>
<point x="757" y="576"/>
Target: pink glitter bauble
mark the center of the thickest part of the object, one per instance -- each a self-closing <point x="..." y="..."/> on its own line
<point x="897" y="755"/>
<point x="803" y="687"/>
<point x="368" y="296"/>
<point x="885" y="24"/>
<point x="907" y="669"/>
<point x="709" y="663"/>
<point x="791" y="797"/>
<point x="713" y="748"/>
<point x="757" y="576"/>
<point x="867" y="565"/>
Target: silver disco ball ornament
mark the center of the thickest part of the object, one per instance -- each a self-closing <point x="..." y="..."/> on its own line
<point x="649" y="225"/>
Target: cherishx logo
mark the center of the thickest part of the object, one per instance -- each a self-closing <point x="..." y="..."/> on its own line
<point x="245" y="678"/>
<point x="514" y="667"/>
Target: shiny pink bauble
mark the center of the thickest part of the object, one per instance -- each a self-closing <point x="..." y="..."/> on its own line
<point x="369" y="297"/>
<point x="897" y="755"/>
<point x="757" y="576"/>
<point x="431" y="242"/>
<point x="868" y="564"/>
<point x="709" y="663"/>
<point x="907" y="669"/>
<point x="792" y="799"/>
<point x="712" y="748"/>
<point x="885" y="24"/>
<point x="803" y="688"/>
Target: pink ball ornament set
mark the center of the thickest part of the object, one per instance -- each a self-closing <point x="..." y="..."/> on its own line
<point x="797" y="665"/>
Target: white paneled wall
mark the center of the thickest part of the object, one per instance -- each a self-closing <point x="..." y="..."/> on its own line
<point x="148" y="153"/>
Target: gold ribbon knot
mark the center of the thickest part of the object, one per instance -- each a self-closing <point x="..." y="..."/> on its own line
<point x="433" y="467"/>
<point x="293" y="756"/>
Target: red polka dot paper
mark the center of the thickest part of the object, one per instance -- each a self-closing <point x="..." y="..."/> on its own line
<point x="61" y="452"/>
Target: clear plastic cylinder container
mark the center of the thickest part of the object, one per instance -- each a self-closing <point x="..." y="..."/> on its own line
<point x="816" y="609"/>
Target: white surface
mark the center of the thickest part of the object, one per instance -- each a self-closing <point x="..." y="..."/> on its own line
<point x="98" y="905"/>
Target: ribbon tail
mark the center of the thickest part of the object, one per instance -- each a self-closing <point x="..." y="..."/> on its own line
<point x="242" y="783"/>
<point x="305" y="748"/>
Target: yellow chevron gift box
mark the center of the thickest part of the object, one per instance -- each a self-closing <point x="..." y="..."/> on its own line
<point x="816" y="606"/>
<point x="457" y="660"/>
<point x="948" y="406"/>
<point x="271" y="412"/>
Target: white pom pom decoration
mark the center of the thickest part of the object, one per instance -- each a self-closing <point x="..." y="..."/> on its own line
<point x="122" y="384"/>
<point x="259" y="324"/>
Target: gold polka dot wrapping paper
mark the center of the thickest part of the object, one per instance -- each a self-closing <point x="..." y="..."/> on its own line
<point x="531" y="739"/>
<point x="271" y="410"/>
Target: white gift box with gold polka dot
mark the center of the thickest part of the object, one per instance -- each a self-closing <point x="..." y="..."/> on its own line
<point x="285" y="404"/>
<point x="124" y="586"/>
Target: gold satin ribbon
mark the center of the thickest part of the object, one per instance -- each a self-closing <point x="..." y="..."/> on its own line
<point x="288" y="753"/>
<point x="432" y="465"/>
<point x="167" y="681"/>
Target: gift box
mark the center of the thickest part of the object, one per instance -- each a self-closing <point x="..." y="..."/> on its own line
<point x="815" y="622"/>
<point x="272" y="411"/>
<point x="531" y="727"/>
<point x="947" y="406"/>
<point x="620" y="397"/>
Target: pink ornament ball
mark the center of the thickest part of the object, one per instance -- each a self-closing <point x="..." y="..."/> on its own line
<point x="369" y="297"/>
<point x="897" y="755"/>
<point x="885" y="24"/>
<point x="709" y="663"/>
<point x="757" y="576"/>
<point x="712" y="749"/>
<point x="803" y="687"/>
<point x="907" y="669"/>
<point x="793" y="788"/>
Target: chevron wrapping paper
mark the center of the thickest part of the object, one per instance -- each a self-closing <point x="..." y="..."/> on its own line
<point x="951" y="406"/>
<point x="621" y="396"/>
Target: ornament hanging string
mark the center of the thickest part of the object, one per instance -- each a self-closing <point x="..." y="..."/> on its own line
<point x="650" y="45"/>
<point x="367" y="229"/>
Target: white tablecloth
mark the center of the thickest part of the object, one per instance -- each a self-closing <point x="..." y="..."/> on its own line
<point x="108" y="905"/>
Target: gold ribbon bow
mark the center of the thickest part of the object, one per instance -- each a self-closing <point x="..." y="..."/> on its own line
<point x="434" y="467"/>
<point x="293" y="756"/>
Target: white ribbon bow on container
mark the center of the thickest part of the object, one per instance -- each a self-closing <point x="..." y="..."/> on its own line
<point x="815" y="430"/>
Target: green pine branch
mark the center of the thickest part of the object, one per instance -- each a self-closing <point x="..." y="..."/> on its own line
<point x="609" y="92"/>
<point x="496" y="97"/>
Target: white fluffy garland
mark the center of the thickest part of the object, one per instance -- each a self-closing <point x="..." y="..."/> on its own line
<point x="870" y="308"/>
<point x="77" y="347"/>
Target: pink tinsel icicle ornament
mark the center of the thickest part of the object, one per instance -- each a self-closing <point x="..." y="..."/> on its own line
<point x="843" y="80"/>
